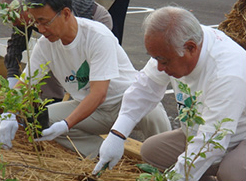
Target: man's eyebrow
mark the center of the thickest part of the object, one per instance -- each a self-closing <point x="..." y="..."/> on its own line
<point x="41" y="19"/>
<point x="158" y="57"/>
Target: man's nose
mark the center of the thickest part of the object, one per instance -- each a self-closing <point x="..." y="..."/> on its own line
<point x="161" y="67"/>
<point x="41" y="29"/>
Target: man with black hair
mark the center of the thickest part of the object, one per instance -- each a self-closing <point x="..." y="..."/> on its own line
<point x="88" y="61"/>
<point x="17" y="44"/>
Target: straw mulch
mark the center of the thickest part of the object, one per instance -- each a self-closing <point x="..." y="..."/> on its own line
<point x="58" y="164"/>
<point x="235" y="24"/>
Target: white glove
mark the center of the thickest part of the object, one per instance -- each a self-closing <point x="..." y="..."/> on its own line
<point x="8" y="128"/>
<point x="54" y="131"/>
<point x="12" y="82"/>
<point x="110" y="152"/>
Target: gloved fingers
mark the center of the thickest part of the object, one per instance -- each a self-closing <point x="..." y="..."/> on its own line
<point x="46" y="135"/>
<point x="45" y="138"/>
<point x="47" y="132"/>
<point x="113" y="163"/>
<point x="8" y="116"/>
<point x="14" y="129"/>
<point x="41" y="139"/>
<point x="99" y="166"/>
<point x="7" y="146"/>
<point x="8" y="129"/>
<point x="54" y="131"/>
<point x="6" y="142"/>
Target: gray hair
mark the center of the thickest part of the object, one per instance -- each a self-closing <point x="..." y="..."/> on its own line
<point x="177" y="25"/>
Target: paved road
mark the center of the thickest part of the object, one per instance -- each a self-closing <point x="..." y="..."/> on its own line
<point x="209" y="12"/>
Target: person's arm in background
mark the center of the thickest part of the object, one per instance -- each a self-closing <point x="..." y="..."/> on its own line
<point x="92" y="10"/>
<point x="117" y="9"/>
<point x="12" y="60"/>
<point x="83" y="8"/>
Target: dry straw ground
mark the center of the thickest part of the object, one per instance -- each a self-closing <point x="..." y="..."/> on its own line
<point x="58" y="164"/>
<point x="235" y="23"/>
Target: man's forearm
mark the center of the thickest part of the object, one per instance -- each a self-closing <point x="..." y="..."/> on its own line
<point x="16" y="45"/>
<point x="90" y="103"/>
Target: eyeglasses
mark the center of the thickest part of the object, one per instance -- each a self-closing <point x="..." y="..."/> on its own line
<point x="47" y="24"/>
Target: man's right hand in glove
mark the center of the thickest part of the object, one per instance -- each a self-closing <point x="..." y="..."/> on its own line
<point x="8" y="128"/>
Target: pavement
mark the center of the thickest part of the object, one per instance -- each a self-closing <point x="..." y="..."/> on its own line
<point x="209" y="12"/>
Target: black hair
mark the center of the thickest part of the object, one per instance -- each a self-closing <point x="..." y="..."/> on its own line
<point x="56" y="5"/>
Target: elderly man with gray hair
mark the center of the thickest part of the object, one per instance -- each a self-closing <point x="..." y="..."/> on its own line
<point x="205" y="59"/>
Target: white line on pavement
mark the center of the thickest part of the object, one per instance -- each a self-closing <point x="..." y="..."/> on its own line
<point x="135" y="10"/>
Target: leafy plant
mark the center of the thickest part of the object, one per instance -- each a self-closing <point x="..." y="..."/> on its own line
<point x="152" y="173"/>
<point x="24" y="101"/>
<point x="190" y="115"/>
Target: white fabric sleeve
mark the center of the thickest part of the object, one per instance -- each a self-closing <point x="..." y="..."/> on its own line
<point x="138" y="100"/>
<point x="201" y="164"/>
<point x="152" y="72"/>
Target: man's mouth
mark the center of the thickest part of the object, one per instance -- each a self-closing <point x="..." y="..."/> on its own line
<point x="47" y="36"/>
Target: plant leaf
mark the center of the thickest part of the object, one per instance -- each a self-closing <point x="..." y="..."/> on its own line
<point x="147" y="168"/>
<point x="203" y="155"/>
<point x="199" y="120"/>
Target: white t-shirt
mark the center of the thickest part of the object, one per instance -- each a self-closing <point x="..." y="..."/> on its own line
<point x="94" y="55"/>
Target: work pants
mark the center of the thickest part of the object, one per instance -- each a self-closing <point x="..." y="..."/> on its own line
<point x="162" y="151"/>
<point x="86" y="134"/>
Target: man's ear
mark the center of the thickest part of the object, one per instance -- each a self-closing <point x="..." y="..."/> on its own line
<point x="67" y="13"/>
<point x="190" y="46"/>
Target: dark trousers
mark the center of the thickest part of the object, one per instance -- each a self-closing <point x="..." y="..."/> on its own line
<point x="118" y="12"/>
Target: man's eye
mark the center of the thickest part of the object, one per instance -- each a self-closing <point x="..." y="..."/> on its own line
<point x="163" y="63"/>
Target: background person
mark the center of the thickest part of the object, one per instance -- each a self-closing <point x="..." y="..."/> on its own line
<point x="205" y="59"/>
<point x="17" y="45"/>
<point x="118" y="11"/>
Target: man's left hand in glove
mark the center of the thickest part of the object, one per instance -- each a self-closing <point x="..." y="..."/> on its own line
<point x="110" y="152"/>
<point x="54" y="131"/>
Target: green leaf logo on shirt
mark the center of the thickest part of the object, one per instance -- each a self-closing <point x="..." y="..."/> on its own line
<point x="82" y="75"/>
